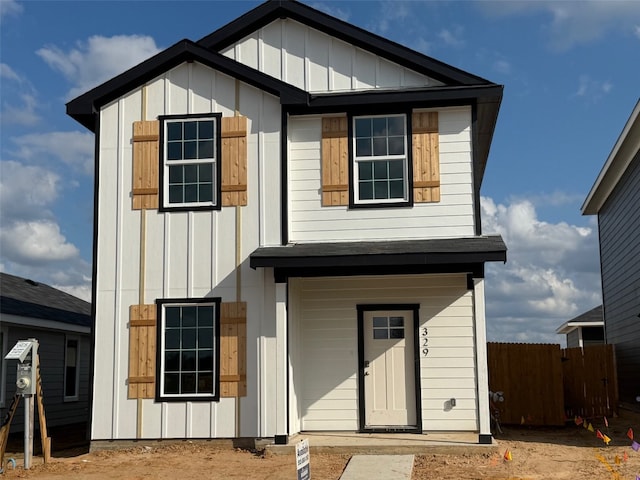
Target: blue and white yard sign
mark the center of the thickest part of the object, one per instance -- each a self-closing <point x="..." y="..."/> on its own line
<point x="302" y="460"/>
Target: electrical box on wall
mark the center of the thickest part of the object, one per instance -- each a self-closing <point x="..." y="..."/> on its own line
<point x="26" y="352"/>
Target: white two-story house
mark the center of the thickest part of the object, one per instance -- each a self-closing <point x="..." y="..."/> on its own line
<point x="287" y="236"/>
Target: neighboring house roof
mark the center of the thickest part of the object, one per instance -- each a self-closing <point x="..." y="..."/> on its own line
<point x="460" y="87"/>
<point x="623" y="152"/>
<point x="26" y="298"/>
<point x="592" y="318"/>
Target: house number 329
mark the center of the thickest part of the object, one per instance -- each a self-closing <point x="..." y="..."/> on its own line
<point x="424" y="341"/>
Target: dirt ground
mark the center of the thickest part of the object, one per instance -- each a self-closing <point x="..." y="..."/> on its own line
<point x="570" y="452"/>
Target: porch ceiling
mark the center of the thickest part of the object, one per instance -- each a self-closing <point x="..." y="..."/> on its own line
<point x="404" y="256"/>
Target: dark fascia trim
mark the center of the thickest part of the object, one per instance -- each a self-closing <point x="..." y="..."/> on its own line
<point x="86" y="106"/>
<point x="272" y="10"/>
<point x="283" y="274"/>
<point x="216" y="375"/>
<point x="415" y="308"/>
<point x="218" y="164"/>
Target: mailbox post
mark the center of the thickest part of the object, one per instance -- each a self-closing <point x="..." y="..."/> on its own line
<point x="26" y="352"/>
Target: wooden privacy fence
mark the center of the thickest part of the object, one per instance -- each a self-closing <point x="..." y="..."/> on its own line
<point x="543" y="384"/>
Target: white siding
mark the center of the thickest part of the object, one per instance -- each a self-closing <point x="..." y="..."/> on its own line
<point x="324" y="338"/>
<point x="453" y="216"/>
<point x="315" y="62"/>
<point x="188" y="254"/>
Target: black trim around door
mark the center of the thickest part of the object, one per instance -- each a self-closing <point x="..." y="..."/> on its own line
<point x="415" y="307"/>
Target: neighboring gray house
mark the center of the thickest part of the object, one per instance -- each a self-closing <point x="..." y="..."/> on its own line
<point x="585" y="329"/>
<point x="62" y="325"/>
<point x="615" y="198"/>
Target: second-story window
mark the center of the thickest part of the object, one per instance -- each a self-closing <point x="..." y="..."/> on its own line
<point x="380" y="159"/>
<point x="191" y="162"/>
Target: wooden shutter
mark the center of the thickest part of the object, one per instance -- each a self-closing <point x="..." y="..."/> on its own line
<point x="142" y="351"/>
<point x="426" y="157"/>
<point x="145" y="164"/>
<point x="335" y="161"/>
<point x="233" y="349"/>
<point x="234" y="161"/>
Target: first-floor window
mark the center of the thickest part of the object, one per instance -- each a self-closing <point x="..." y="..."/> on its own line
<point x="71" y="370"/>
<point x="380" y="159"/>
<point x="189" y="341"/>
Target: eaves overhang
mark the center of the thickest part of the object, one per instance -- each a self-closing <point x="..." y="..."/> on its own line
<point x="85" y="107"/>
<point x="624" y="151"/>
<point x="401" y="256"/>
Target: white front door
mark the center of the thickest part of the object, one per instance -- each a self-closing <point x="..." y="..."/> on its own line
<point x="389" y="381"/>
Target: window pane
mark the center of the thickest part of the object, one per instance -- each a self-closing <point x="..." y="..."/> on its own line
<point x="188" y="361"/>
<point x="171" y="383"/>
<point x="172" y="338"/>
<point x="205" y="149"/>
<point x="380" y="127"/>
<point x="396" y="125"/>
<point x="366" y="191"/>
<point x="205" y="383"/>
<point x="380" y="170"/>
<point x="189" y="316"/>
<point x="396" y="145"/>
<point x="174" y="131"/>
<point x="380" y="146"/>
<point x="205" y="172"/>
<point x="190" y="130"/>
<point x="171" y="361"/>
<point x="205" y="192"/>
<point x="205" y="360"/>
<point x="396" y="333"/>
<point x="189" y="338"/>
<point x="190" y="173"/>
<point x="172" y="316"/>
<point x="205" y="316"/>
<point x="205" y="129"/>
<point x="396" y="189"/>
<point x="190" y="193"/>
<point x="205" y="337"/>
<point x="190" y="150"/>
<point x="175" y="194"/>
<point x="175" y="174"/>
<point x="188" y="383"/>
<point x="70" y="381"/>
<point x="363" y="127"/>
<point x="174" y="151"/>
<point x="365" y="170"/>
<point x="380" y="334"/>
<point x="363" y="147"/>
<point x="396" y="322"/>
<point x="380" y="322"/>
<point x="380" y="189"/>
<point x="396" y="169"/>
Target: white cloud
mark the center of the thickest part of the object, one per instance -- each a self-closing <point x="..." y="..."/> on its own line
<point x="573" y="23"/>
<point x="24" y="114"/>
<point x="26" y="191"/>
<point x="452" y="37"/>
<point x="332" y="9"/>
<point x="75" y="149"/>
<point x="34" y="242"/>
<point x="81" y="291"/>
<point x="636" y="30"/>
<point x="98" y="59"/>
<point x="591" y="89"/>
<point x="502" y="66"/>
<point x="551" y="274"/>
<point x="9" y="7"/>
<point x="7" y="72"/>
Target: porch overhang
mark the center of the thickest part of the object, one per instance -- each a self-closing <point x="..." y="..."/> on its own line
<point x="451" y="255"/>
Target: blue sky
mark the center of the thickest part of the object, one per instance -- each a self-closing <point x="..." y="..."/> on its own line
<point x="570" y="71"/>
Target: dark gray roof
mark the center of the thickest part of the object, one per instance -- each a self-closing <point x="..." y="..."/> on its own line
<point x="26" y="298"/>
<point x="592" y="316"/>
<point x="402" y="252"/>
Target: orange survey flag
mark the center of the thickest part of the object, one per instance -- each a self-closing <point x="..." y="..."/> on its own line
<point x="606" y="439"/>
<point x="507" y="455"/>
<point x="599" y="434"/>
<point x="590" y="427"/>
<point x="630" y="433"/>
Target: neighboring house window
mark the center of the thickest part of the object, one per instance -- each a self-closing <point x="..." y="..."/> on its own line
<point x="381" y="166"/>
<point x="71" y="368"/>
<point x="191" y="161"/>
<point x="189" y="339"/>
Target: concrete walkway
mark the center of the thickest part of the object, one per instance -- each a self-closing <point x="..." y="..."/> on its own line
<point x="380" y="467"/>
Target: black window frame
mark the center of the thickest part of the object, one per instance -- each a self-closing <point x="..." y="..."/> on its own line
<point x="161" y="304"/>
<point x="71" y="373"/>
<point x="355" y="203"/>
<point x="216" y="204"/>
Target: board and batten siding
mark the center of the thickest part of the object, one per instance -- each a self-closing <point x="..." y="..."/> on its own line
<point x="187" y="255"/>
<point x="324" y="343"/>
<point x="619" y="224"/>
<point x="316" y="62"/>
<point x="452" y="216"/>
